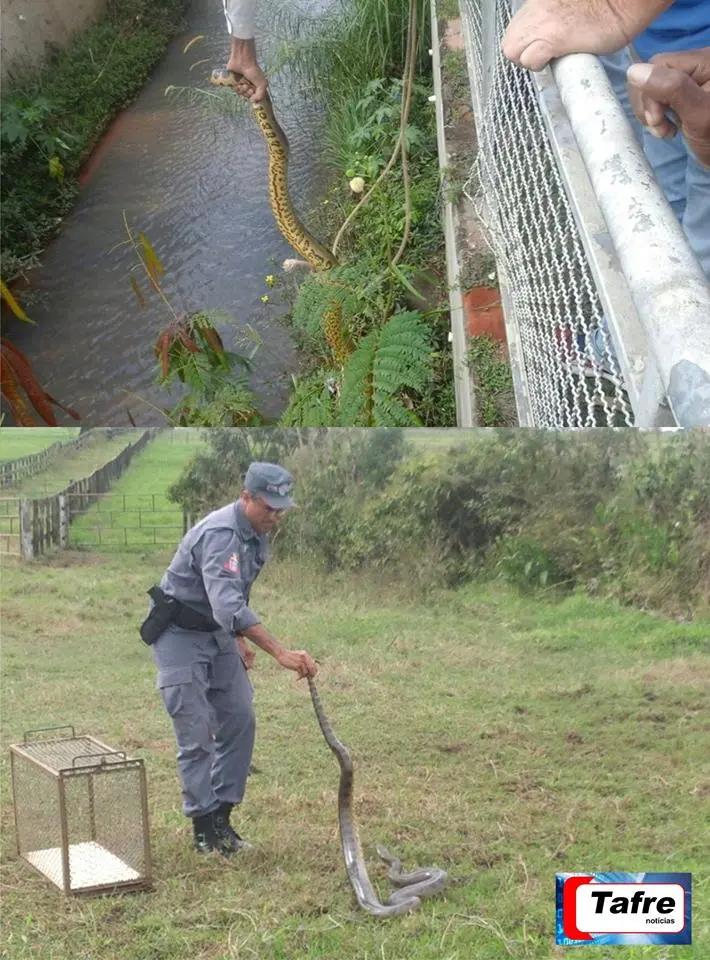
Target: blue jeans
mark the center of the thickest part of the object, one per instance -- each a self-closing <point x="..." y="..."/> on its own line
<point x="683" y="180"/>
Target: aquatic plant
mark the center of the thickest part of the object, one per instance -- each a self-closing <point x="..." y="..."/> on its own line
<point x="26" y="398"/>
<point x="190" y="351"/>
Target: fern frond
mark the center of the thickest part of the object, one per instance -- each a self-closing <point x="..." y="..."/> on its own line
<point x="386" y="362"/>
<point x="404" y="354"/>
<point x="391" y="412"/>
<point x="356" y="395"/>
<point x="311" y="404"/>
<point x="320" y="293"/>
<point x="232" y="406"/>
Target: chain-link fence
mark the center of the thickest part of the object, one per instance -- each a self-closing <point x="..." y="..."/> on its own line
<point x="604" y="327"/>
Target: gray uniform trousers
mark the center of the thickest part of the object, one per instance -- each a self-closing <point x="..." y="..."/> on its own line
<point x="208" y="694"/>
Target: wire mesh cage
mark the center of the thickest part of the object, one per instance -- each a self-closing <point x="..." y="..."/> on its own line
<point x="81" y="812"/>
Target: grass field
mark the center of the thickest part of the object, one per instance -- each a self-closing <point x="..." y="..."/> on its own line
<point x="136" y="513"/>
<point x="71" y="465"/>
<point x="503" y="738"/>
<point x="62" y="469"/>
<point x="16" y="442"/>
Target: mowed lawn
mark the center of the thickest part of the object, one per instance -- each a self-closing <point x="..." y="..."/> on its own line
<point x="69" y="465"/>
<point x="502" y="738"/>
<point x="63" y="468"/>
<point x="137" y="511"/>
<point x="16" y="442"/>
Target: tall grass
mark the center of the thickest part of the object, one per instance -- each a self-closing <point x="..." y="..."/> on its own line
<point x="355" y="42"/>
<point x="355" y="58"/>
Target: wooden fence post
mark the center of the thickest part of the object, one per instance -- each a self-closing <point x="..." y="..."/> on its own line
<point x="63" y="521"/>
<point x="26" y="532"/>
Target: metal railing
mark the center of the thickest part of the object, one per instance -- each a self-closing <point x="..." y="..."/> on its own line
<point x="607" y="309"/>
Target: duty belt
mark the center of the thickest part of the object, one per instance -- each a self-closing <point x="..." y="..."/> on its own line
<point x="184" y="616"/>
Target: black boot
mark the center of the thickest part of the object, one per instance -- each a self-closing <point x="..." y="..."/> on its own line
<point x="227" y="835"/>
<point x="206" y="835"/>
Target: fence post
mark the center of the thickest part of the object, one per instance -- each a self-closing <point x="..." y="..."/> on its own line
<point x="63" y="521"/>
<point x="26" y="545"/>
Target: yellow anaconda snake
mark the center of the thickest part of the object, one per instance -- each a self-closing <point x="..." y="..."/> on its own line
<point x="294" y="231"/>
<point x="414" y="885"/>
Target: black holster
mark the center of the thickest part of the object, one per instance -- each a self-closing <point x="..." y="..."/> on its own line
<point x="167" y="611"/>
<point x="162" y="615"/>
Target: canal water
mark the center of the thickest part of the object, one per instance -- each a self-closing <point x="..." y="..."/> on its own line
<point x="195" y="183"/>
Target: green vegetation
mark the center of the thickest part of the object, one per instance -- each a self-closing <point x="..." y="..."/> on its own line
<point x="504" y="738"/>
<point x="494" y="382"/>
<point x="448" y="10"/>
<point x="375" y="347"/>
<point x="380" y="129"/>
<point x="190" y="352"/>
<point x="623" y="514"/>
<point x="69" y="465"/>
<point x="471" y="579"/>
<point x="52" y="118"/>
<point x="137" y="511"/>
<point x="16" y="443"/>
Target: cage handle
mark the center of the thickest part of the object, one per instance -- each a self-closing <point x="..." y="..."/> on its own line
<point x="95" y="756"/>
<point x="66" y="726"/>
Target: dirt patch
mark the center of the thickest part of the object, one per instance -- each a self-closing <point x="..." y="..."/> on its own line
<point x="71" y="558"/>
<point x="684" y="671"/>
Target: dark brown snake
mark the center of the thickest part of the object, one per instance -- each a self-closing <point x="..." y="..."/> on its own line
<point x="413" y="885"/>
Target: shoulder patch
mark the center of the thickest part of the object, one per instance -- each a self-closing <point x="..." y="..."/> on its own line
<point x="232" y="564"/>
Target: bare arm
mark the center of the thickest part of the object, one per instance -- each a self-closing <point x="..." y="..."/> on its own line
<point x="298" y="660"/>
<point x="242" y="46"/>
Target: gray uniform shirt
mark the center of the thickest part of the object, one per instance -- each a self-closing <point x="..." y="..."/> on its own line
<point x="215" y="566"/>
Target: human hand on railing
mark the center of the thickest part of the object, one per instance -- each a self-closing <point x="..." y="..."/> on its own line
<point x="678" y="82"/>
<point x="545" y="29"/>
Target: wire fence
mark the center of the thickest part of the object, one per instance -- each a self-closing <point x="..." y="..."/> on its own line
<point x="593" y="337"/>
<point x="114" y="521"/>
<point x="127" y="520"/>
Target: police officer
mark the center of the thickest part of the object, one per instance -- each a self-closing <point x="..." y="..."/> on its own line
<point x="197" y="627"/>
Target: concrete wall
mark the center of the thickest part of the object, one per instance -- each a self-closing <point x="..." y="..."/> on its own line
<point x="26" y="26"/>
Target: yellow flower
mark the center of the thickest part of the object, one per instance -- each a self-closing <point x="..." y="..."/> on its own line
<point x="265" y="298"/>
<point x="270" y="280"/>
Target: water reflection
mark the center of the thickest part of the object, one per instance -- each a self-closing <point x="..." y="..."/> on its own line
<point x="196" y="185"/>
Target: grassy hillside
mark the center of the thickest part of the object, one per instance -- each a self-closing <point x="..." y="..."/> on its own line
<point x="504" y="738"/>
